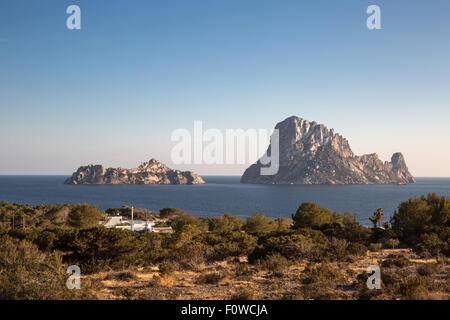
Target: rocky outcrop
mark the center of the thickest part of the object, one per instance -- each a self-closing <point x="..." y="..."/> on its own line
<point x="309" y="153"/>
<point x="152" y="172"/>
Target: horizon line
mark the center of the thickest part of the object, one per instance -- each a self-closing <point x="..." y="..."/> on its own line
<point x="203" y="175"/>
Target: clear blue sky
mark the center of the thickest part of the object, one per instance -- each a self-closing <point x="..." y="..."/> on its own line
<point x="114" y="91"/>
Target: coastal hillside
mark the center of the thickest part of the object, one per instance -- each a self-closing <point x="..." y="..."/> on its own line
<point x="318" y="254"/>
<point x="310" y="153"/>
<point x="152" y="172"/>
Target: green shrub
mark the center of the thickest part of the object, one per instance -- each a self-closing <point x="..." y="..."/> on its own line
<point x="338" y="248"/>
<point x="125" y="293"/>
<point x="276" y="264"/>
<point x="442" y="260"/>
<point x="311" y="215"/>
<point x="226" y="223"/>
<point x="96" y="249"/>
<point x="166" y="268"/>
<point x="121" y="276"/>
<point x="283" y="224"/>
<point x="356" y="249"/>
<point x="392" y="278"/>
<point x="427" y="269"/>
<point x="399" y="262"/>
<point x="188" y="256"/>
<point x="29" y="274"/>
<point x="242" y="270"/>
<point x="377" y="217"/>
<point x="169" y="213"/>
<point x="293" y="247"/>
<point x="244" y="293"/>
<point x="210" y="278"/>
<point x="392" y="243"/>
<point x="429" y="244"/>
<point x="374" y="247"/>
<point x="319" y="280"/>
<point x="259" y="223"/>
<point x="178" y="223"/>
<point x="84" y="216"/>
<point x="227" y="244"/>
<point x="418" y="215"/>
<point x="364" y="293"/>
<point x="415" y="289"/>
<point x="45" y="240"/>
<point x="293" y="294"/>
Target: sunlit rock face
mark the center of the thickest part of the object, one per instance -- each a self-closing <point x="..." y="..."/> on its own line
<point x="151" y="172"/>
<point x="310" y="153"/>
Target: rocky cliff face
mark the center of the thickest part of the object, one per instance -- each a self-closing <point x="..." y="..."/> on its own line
<point x="309" y="153"/>
<point x="152" y="172"/>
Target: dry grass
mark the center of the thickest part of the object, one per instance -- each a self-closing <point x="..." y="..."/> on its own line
<point x="234" y="279"/>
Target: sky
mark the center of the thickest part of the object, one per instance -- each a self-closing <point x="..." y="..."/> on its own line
<point x="114" y="91"/>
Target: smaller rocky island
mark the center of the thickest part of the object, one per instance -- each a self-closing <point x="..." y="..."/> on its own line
<point x="152" y="172"/>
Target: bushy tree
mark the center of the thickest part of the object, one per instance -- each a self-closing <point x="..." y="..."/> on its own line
<point x="168" y="213"/>
<point x="259" y="223"/>
<point x="219" y="246"/>
<point x="392" y="243"/>
<point x="179" y="222"/>
<point x="430" y="214"/>
<point x="84" y="216"/>
<point x="293" y="247"/>
<point x="283" y="224"/>
<point x="98" y="248"/>
<point x="226" y="223"/>
<point x="311" y="215"/>
<point x="429" y="244"/>
<point x="27" y="273"/>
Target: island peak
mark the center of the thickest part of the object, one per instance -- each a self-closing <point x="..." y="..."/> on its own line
<point x="310" y="153"/>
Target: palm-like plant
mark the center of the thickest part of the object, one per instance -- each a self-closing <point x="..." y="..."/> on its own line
<point x="377" y="217"/>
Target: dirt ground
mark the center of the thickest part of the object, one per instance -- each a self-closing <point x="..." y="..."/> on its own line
<point x="236" y="279"/>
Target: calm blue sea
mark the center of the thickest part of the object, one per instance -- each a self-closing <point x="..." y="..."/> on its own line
<point x="219" y="195"/>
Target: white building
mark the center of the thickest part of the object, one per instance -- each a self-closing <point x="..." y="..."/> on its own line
<point x="121" y="223"/>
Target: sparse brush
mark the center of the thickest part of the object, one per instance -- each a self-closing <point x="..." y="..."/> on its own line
<point x="276" y="264"/>
<point x="244" y="293"/>
<point x="161" y="281"/>
<point x="442" y="260"/>
<point x="166" y="268"/>
<point x="392" y="243"/>
<point x="427" y="269"/>
<point x="242" y="270"/>
<point x="121" y="276"/>
<point x="399" y="262"/>
<point x="210" y="278"/>
<point x="294" y="294"/>
<point x="125" y="293"/>
<point x="415" y="288"/>
<point x="320" y="280"/>
<point x="374" y="247"/>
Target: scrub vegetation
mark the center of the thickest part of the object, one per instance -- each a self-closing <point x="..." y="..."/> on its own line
<point x="318" y="254"/>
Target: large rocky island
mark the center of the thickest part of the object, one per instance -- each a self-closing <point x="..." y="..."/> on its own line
<point x="152" y="172"/>
<point x="309" y="153"/>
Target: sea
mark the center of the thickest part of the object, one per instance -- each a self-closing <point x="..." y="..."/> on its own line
<point x="221" y="194"/>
